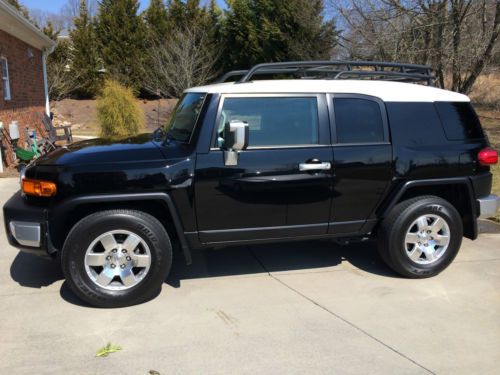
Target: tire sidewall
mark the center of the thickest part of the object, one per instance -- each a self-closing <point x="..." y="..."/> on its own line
<point x="87" y="230"/>
<point x="398" y="248"/>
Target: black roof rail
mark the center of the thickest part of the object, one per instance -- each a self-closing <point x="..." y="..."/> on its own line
<point x="232" y="73"/>
<point x="338" y="69"/>
<point x="241" y="73"/>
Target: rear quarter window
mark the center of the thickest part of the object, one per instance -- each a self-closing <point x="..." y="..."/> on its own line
<point x="415" y="124"/>
<point x="459" y="120"/>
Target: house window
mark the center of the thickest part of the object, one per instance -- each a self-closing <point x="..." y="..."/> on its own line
<point x="5" y="78"/>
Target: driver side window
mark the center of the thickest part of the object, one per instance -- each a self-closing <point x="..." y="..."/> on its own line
<point x="273" y="121"/>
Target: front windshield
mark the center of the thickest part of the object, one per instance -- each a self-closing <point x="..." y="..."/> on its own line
<point x="186" y="113"/>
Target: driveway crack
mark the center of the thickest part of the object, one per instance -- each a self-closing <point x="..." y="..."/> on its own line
<point x="334" y="314"/>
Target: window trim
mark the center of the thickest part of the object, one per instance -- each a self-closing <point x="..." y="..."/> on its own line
<point x="7" y="94"/>
<point x="333" y="126"/>
<point x="323" y="128"/>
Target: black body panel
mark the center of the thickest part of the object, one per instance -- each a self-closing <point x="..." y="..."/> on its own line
<point x="265" y="189"/>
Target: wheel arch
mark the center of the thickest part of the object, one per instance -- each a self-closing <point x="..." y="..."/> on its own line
<point x="457" y="191"/>
<point x="159" y="205"/>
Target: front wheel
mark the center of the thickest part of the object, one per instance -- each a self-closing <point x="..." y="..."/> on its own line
<point x="420" y="237"/>
<point x="116" y="258"/>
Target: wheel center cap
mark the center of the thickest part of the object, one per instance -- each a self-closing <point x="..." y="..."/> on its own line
<point x="423" y="236"/>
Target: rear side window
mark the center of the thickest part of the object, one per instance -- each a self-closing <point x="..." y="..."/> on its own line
<point x="358" y="121"/>
<point x="273" y="121"/>
<point x="415" y="124"/>
<point x="459" y="121"/>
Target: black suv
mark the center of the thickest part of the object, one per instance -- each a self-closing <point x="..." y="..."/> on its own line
<point x="253" y="161"/>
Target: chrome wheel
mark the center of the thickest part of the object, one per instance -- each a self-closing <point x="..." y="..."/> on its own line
<point x="117" y="260"/>
<point x="427" y="239"/>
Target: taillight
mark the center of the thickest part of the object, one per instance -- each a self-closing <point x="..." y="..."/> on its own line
<point x="487" y="156"/>
<point x="39" y="188"/>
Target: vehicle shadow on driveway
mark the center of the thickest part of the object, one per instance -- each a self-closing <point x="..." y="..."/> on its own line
<point x="34" y="272"/>
<point x="283" y="257"/>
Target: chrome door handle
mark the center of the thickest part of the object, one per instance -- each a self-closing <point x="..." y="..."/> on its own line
<point x="314" y="166"/>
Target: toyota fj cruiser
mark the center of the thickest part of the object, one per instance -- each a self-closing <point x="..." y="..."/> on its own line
<point x="349" y="150"/>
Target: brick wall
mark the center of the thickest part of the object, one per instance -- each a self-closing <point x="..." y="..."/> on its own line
<point x="26" y="89"/>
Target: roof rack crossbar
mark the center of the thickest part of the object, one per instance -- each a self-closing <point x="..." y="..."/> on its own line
<point x="413" y="72"/>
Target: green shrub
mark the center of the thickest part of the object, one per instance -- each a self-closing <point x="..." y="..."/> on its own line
<point x="117" y="111"/>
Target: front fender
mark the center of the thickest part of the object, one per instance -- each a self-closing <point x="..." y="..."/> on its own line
<point x="62" y="211"/>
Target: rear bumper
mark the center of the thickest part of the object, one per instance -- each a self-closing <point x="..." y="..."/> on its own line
<point x="488" y="206"/>
<point x="27" y="226"/>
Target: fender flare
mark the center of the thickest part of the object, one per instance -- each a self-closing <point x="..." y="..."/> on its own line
<point x="397" y="193"/>
<point x="63" y="208"/>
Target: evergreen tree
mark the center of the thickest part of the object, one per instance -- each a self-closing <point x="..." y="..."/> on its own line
<point x="20" y="8"/>
<point x="258" y="31"/>
<point x="121" y="33"/>
<point x="85" y="59"/>
<point x="185" y="14"/>
<point x="51" y="31"/>
<point x="157" y="20"/>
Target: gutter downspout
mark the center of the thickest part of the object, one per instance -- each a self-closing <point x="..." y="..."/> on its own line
<point x="46" y="52"/>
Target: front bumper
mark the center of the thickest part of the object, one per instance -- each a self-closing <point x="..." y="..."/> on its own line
<point x="27" y="226"/>
<point x="488" y="206"/>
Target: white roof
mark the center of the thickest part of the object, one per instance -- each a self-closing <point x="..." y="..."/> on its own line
<point x="385" y="90"/>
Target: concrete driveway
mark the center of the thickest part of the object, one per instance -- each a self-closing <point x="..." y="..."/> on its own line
<point x="293" y="309"/>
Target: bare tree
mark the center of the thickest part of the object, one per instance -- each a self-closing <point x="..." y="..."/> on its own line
<point x="62" y="81"/>
<point x="457" y="38"/>
<point x="181" y="60"/>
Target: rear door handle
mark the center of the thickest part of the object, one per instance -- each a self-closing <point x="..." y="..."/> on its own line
<point x="315" y="166"/>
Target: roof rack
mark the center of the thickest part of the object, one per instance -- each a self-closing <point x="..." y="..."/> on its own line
<point x="340" y="70"/>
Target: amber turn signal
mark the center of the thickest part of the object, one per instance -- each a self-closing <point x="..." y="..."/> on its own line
<point x="39" y="188"/>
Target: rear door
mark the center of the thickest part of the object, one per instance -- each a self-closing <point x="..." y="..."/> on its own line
<point x="362" y="160"/>
<point x="281" y="185"/>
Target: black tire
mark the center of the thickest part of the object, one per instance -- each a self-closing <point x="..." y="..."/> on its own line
<point x="393" y="229"/>
<point x="81" y="236"/>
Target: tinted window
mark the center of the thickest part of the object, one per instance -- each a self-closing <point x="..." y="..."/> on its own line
<point x="273" y="121"/>
<point x="185" y="115"/>
<point x="358" y="121"/>
<point x="414" y="124"/>
<point x="459" y="120"/>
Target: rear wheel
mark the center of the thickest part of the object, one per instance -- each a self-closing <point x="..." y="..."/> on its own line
<point x="420" y="237"/>
<point x="117" y="258"/>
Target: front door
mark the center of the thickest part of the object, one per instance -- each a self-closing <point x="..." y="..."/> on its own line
<point x="281" y="185"/>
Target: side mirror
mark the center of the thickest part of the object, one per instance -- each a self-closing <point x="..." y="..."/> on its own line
<point x="236" y="134"/>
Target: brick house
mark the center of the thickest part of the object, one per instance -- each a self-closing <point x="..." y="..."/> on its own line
<point x="23" y="80"/>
